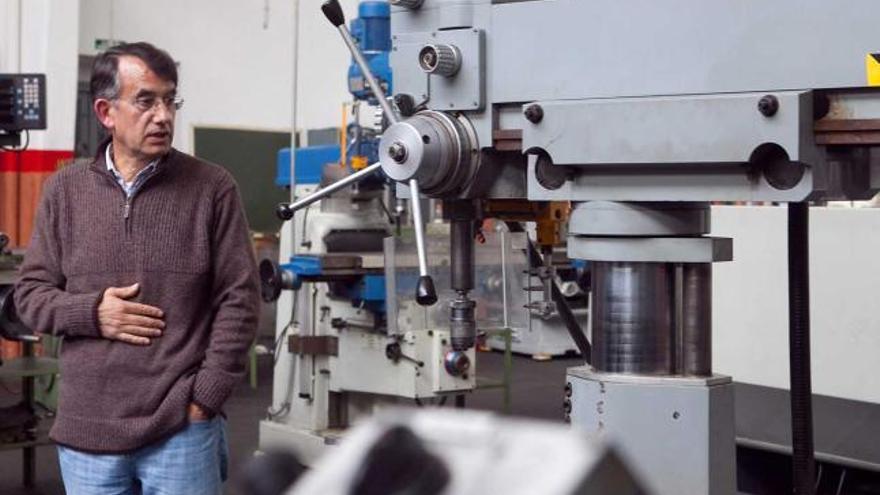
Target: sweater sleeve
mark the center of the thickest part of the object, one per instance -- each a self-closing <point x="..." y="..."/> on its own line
<point x="40" y="296"/>
<point x="235" y="303"/>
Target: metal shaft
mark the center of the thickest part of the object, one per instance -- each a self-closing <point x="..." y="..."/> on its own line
<point x="332" y="188"/>
<point x="463" y="325"/>
<point x="419" y="226"/>
<point x="632" y="318"/>
<point x="694" y="349"/>
<point x="462" y="254"/>
<point x="652" y="318"/>
<point x="365" y="68"/>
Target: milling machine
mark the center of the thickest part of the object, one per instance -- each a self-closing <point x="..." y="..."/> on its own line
<point x="639" y="113"/>
<point x="339" y="353"/>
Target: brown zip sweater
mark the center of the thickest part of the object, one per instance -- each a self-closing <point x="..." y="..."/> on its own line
<point x="184" y="238"/>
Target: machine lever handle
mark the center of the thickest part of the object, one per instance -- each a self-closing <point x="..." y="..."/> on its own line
<point x="333" y="11"/>
<point x="426" y="295"/>
<point x="285" y="211"/>
<point x="339" y="21"/>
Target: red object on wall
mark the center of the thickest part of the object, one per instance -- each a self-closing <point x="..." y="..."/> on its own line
<point x="22" y="174"/>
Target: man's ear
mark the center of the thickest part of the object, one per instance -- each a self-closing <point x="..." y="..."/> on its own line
<point x="103" y="112"/>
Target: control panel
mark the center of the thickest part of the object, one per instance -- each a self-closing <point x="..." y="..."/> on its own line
<point x="22" y="102"/>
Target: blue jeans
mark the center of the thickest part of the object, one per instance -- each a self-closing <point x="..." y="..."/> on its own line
<point x="191" y="462"/>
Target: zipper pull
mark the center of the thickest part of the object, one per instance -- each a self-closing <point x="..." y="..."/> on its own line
<point x="126" y="209"/>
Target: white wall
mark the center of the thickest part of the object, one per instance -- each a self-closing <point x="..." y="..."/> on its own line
<point x="750" y="299"/>
<point x="235" y="58"/>
<point x="41" y="36"/>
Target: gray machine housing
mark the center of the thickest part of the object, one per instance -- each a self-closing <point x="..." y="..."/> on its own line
<point x="647" y="102"/>
<point x="688" y="425"/>
<point x="667" y="112"/>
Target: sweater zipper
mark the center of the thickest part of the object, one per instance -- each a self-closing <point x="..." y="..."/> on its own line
<point x="127" y="205"/>
<point x="126" y="213"/>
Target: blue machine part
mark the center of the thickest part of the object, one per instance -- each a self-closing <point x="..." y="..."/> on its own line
<point x="304" y="265"/>
<point x="301" y="266"/>
<point x="372" y="27"/>
<point x="372" y="30"/>
<point x="309" y="163"/>
<point x="367" y="291"/>
<point x="580" y="264"/>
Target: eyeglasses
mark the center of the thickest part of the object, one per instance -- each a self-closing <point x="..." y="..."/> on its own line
<point x="149" y="103"/>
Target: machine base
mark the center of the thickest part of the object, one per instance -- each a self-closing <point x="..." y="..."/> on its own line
<point x="676" y="433"/>
<point x="308" y="446"/>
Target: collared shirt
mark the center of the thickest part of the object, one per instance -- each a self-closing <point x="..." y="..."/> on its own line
<point x="129" y="187"/>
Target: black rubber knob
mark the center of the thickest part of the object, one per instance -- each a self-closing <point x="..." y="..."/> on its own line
<point x="425" y="293"/>
<point x="270" y="280"/>
<point x="333" y="11"/>
<point x="393" y="351"/>
<point x="283" y="211"/>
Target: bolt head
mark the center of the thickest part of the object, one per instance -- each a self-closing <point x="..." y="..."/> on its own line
<point x="429" y="58"/>
<point x="397" y="152"/>
<point x="534" y="113"/>
<point x="768" y="105"/>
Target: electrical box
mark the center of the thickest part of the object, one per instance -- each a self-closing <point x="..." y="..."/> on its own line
<point x="22" y="102"/>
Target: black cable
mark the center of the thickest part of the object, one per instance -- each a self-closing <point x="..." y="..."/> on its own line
<point x="565" y="313"/>
<point x="387" y="211"/>
<point x="803" y="456"/>
<point x="276" y="348"/>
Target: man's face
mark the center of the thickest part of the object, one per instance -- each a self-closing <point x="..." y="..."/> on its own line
<point x="141" y="119"/>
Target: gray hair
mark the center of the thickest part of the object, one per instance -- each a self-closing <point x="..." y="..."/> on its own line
<point x="104" y="83"/>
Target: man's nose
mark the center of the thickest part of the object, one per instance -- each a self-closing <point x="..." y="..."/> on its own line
<point x="162" y="114"/>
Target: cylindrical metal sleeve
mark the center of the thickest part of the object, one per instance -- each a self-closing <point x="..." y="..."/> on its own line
<point x="462" y="324"/>
<point x="696" y="335"/>
<point x="632" y="317"/>
<point x="462" y="239"/>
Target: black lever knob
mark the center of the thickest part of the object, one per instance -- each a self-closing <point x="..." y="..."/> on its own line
<point x="283" y="211"/>
<point x="426" y="295"/>
<point x="333" y="11"/>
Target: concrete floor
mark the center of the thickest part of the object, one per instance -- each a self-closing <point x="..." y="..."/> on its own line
<point x="537" y="392"/>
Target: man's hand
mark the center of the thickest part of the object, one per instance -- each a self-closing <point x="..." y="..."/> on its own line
<point x="127" y="321"/>
<point x="197" y="413"/>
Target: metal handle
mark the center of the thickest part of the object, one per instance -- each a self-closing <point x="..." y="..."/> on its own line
<point x="333" y="11"/>
<point x="334" y="14"/>
<point x="426" y="295"/>
<point x="285" y="211"/>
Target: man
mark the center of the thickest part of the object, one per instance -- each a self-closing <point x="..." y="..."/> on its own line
<point x="142" y="261"/>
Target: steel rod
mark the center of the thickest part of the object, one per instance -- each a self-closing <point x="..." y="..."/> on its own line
<point x="371" y="80"/>
<point x="419" y="227"/>
<point x="332" y="188"/>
